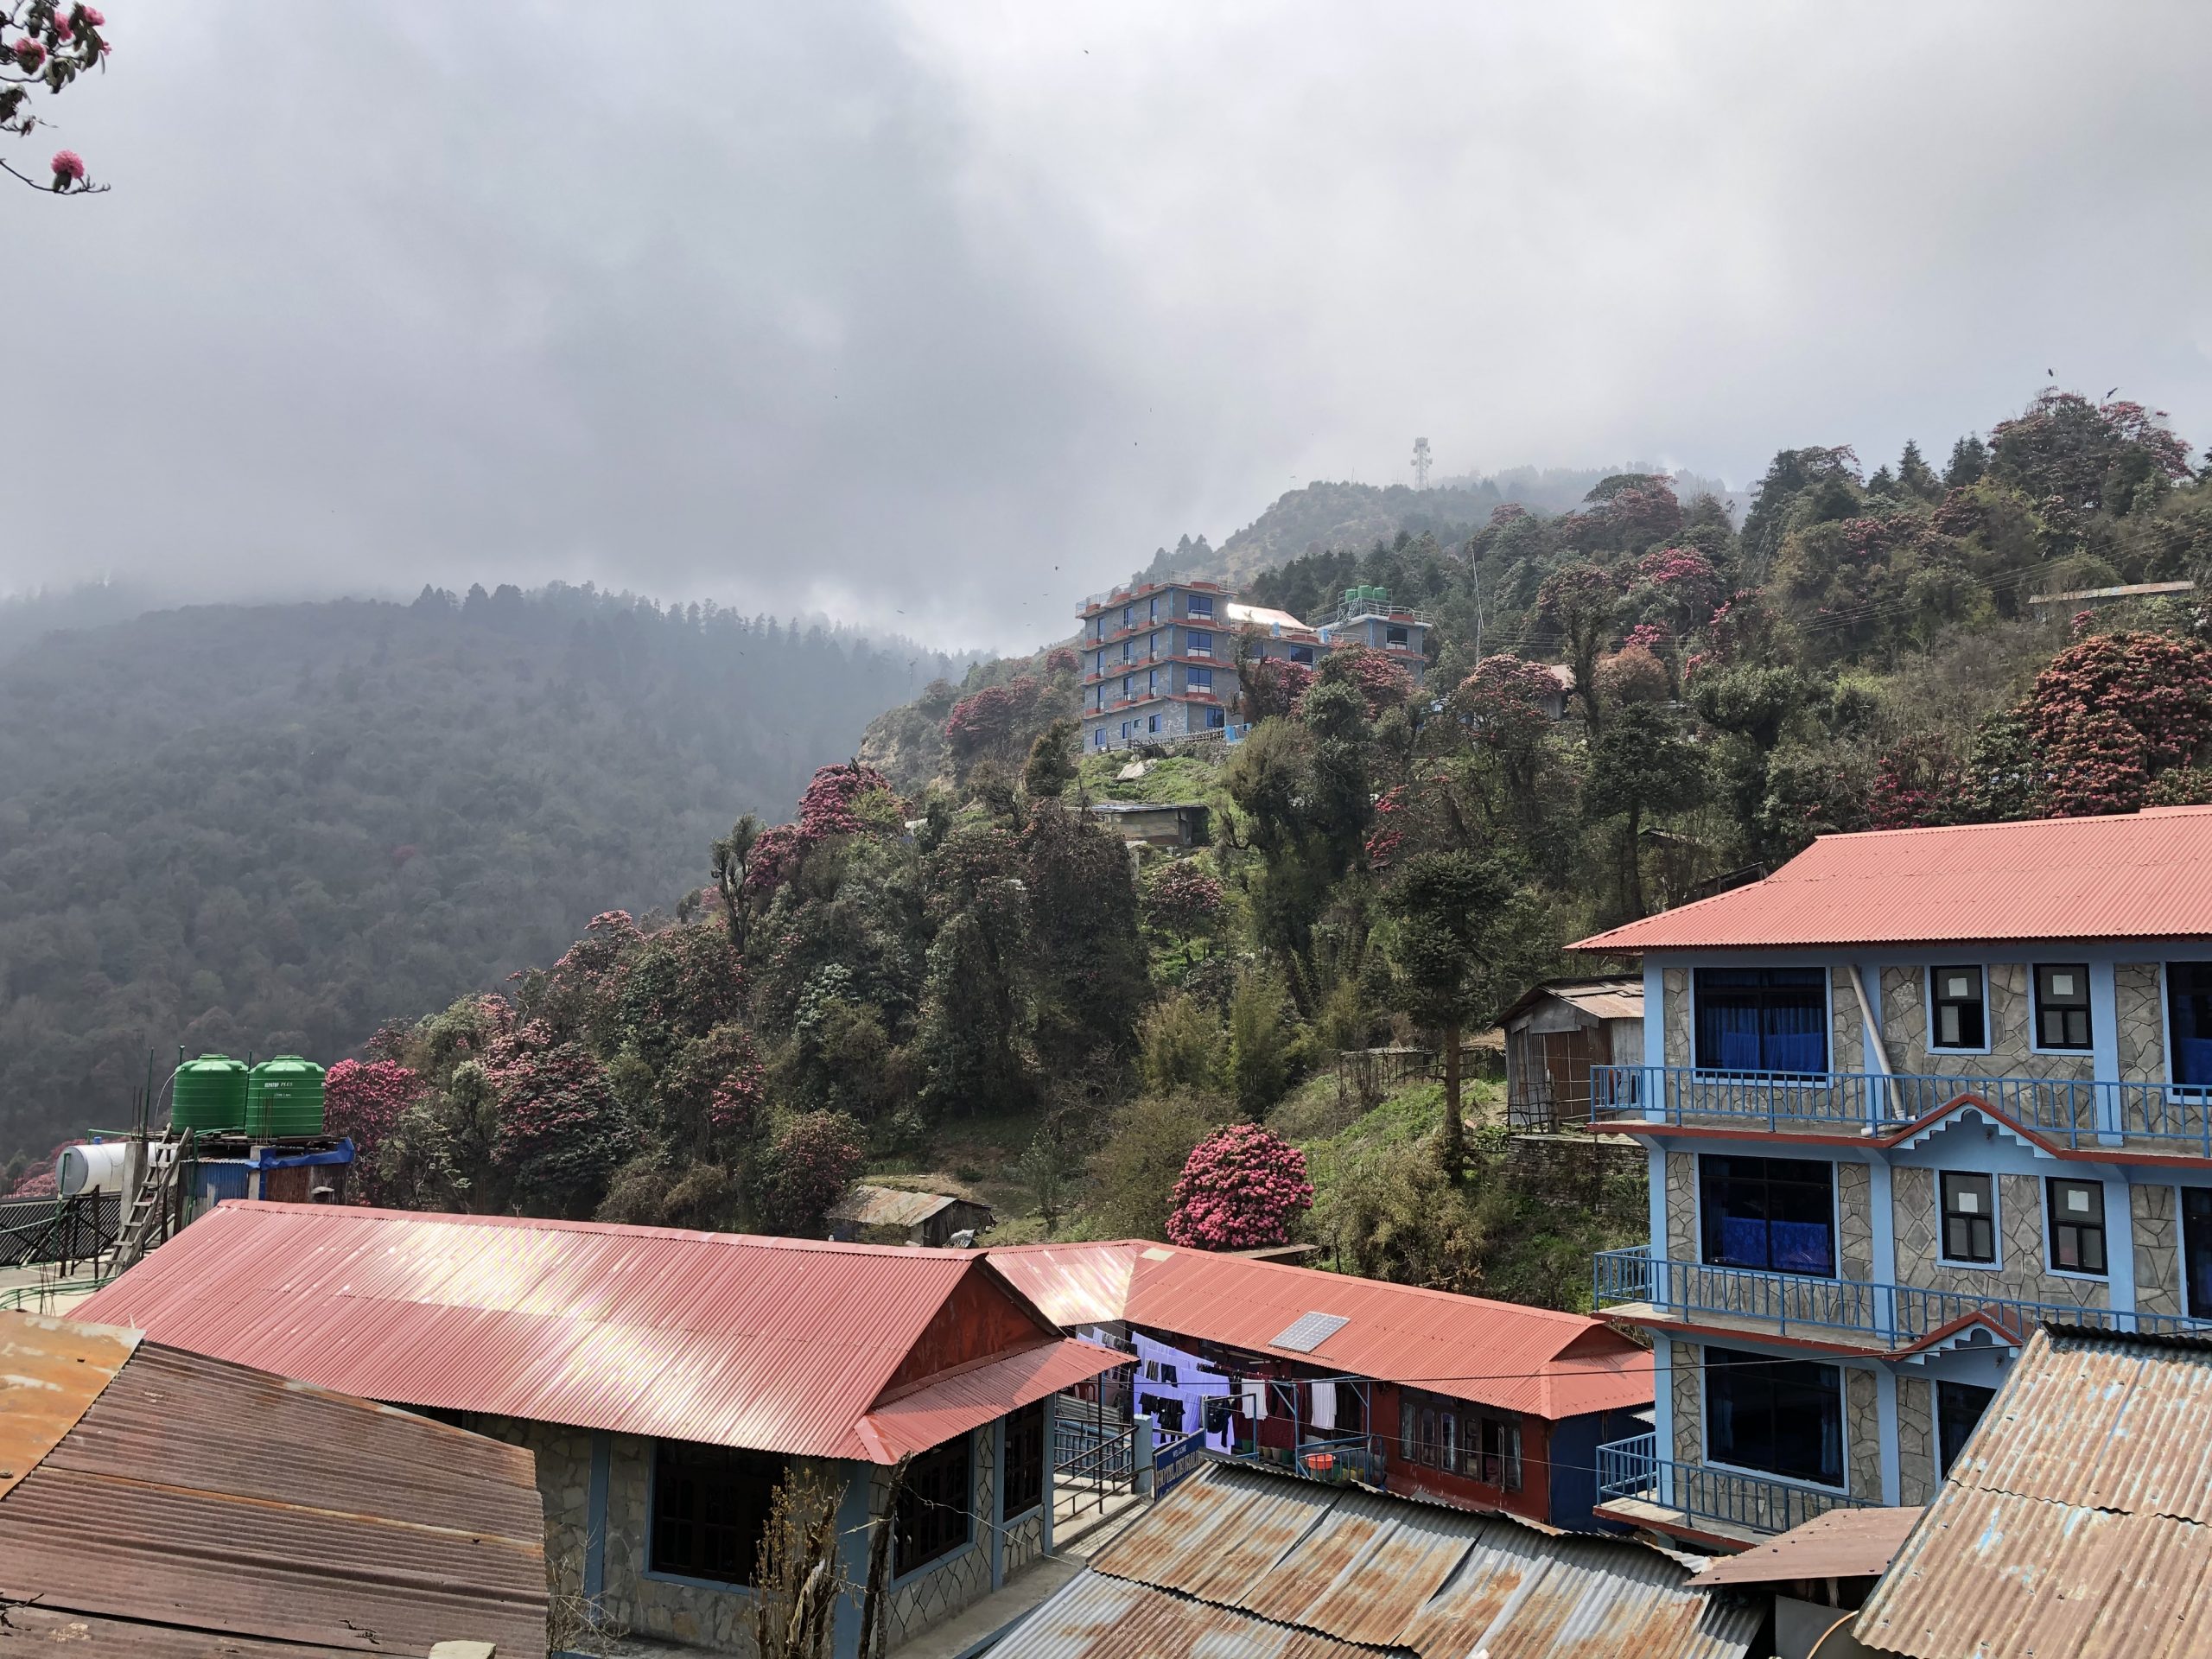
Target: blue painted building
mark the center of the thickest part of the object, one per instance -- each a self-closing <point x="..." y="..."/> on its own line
<point x="1908" y="1097"/>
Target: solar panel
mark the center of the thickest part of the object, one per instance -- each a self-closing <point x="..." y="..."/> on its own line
<point x="1309" y="1331"/>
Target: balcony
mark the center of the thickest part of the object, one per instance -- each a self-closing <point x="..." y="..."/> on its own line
<point x="1637" y="1485"/>
<point x="1340" y="1459"/>
<point x="1852" y="1313"/>
<point x="2160" y="1117"/>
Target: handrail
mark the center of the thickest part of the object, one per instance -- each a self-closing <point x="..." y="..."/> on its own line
<point x="2069" y="1111"/>
<point x="1892" y="1314"/>
<point x="1632" y="1468"/>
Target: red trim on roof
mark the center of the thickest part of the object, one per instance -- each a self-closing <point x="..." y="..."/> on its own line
<point x="779" y="1344"/>
<point x="2143" y="875"/>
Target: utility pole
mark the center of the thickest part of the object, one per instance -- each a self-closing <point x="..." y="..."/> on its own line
<point x="1421" y="463"/>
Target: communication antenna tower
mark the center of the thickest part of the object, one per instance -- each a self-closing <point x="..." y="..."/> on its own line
<point x="1421" y="463"/>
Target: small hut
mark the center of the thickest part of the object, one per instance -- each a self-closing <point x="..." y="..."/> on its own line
<point x="1554" y="1034"/>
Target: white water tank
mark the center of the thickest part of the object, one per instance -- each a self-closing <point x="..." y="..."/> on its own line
<point x="97" y="1167"/>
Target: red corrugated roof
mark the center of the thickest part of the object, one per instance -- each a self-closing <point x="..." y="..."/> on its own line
<point x="779" y="1344"/>
<point x="1525" y="1359"/>
<point x="2146" y="876"/>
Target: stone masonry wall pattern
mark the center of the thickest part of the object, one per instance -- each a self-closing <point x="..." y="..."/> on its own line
<point x="1687" y="1359"/>
<point x="2141" y="1029"/>
<point x="2020" y="1274"/>
<point x="1854" y="1220"/>
<point x="2008" y="1008"/>
<point x="2157" y="1250"/>
<point x="1675" y="981"/>
<point x="1862" y="1427"/>
<point x="1682" y="1206"/>
<point x="1915" y="1441"/>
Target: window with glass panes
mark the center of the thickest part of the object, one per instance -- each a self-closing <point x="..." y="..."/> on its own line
<point x="1969" y="1217"/>
<point x="934" y="1505"/>
<point x="710" y="1509"/>
<point x="1959" y="1407"/>
<point x="2062" y="1006"/>
<point x="1960" y="1018"/>
<point x="2077" y="1226"/>
<point x="1780" y="1417"/>
<point x="1459" y="1439"/>
<point x="1025" y="1456"/>
<point x="1772" y="1213"/>
<point x="2189" y="1022"/>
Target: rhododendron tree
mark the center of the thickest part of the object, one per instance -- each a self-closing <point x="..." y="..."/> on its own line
<point x="840" y="801"/>
<point x="46" y="45"/>
<point x="1382" y="684"/>
<point x="560" y="1133"/>
<point x="988" y="721"/>
<point x="1917" y="781"/>
<point x="366" y="1102"/>
<point x="2113" y="712"/>
<point x="1181" y="901"/>
<point x="1271" y="688"/>
<point x="809" y="1166"/>
<point x="1579" y="601"/>
<point x="1240" y="1189"/>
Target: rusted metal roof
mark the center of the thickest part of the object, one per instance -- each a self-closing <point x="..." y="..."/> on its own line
<point x="890" y="1207"/>
<point x="775" y="1344"/>
<point x="2075" y="1520"/>
<point x="1249" y="1560"/>
<point x="1615" y="997"/>
<point x="1524" y="1359"/>
<point x="196" y="1506"/>
<point x="1841" y="1544"/>
<point x="2142" y="876"/>
<point x="1093" y="1617"/>
<point x="50" y="1371"/>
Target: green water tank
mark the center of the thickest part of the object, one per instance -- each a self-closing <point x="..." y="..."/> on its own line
<point x="209" y="1094"/>
<point x="283" y="1098"/>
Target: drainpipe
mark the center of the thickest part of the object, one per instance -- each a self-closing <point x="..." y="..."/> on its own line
<point x="1884" y="1218"/>
<point x="1874" y="1045"/>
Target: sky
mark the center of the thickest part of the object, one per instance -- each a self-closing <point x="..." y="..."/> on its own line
<point x="937" y="316"/>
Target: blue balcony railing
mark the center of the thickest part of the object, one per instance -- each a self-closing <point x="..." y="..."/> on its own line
<point x="1804" y="1304"/>
<point x="1337" y="1459"/>
<point x="1633" y="1469"/>
<point x="2170" y="1116"/>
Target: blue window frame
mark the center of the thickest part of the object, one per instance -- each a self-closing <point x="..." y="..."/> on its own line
<point x="1098" y="738"/>
<point x="1201" y="604"/>
<point x="1302" y="655"/>
<point x="1774" y="1214"/>
<point x="1125" y="731"/>
<point x="1215" y="719"/>
<point x="1127" y="680"/>
<point x="2189" y="1018"/>
<point x="1201" y="679"/>
<point x="1153" y="723"/>
<point x="1762" y="1019"/>
<point x="1197" y="642"/>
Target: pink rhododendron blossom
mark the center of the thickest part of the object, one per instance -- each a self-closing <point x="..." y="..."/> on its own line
<point x="1238" y="1191"/>
<point x="28" y="54"/>
<point x="68" y="165"/>
<point x="92" y="15"/>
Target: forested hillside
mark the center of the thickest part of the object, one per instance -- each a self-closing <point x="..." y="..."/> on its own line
<point x="274" y="829"/>
<point x="958" y="976"/>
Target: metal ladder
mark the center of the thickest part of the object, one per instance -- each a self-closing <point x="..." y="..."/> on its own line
<point x="154" y="1204"/>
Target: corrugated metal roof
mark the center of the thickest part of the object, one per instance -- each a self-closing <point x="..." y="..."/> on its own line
<point x="1265" y="1554"/>
<point x="1524" y="1359"/>
<point x="930" y="1415"/>
<point x="1615" y="997"/>
<point x="2073" y="1522"/>
<point x="889" y="1207"/>
<point x="1264" y="616"/>
<point x="780" y="1344"/>
<point x="234" y="1507"/>
<point x="2144" y="875"/>
<point x="50" y="1371"/>
<point x="1841" y="1544"/>
<point x="1093" y="1617"/>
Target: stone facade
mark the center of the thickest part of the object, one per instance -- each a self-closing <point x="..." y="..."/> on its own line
<point x="1847" y="1044"/>
<point x="1687" y="1359"/>
<point x="952" y="1582"/>
<point x="1681" y="1207"/>
<point x="2157" y="1250"/>
<point x="563" y="1460"/>
<point x="695" y="1614"/>
<point x="1854" y="1207"/>
<point x="2009" y="1009"/>
<point x="1677" y="984"/>
<point x="2020" y="1272"/>
<point x="2141" y="1025"/>
<point x="1915" y="1441"/>
<point x="1862" y="1429"/>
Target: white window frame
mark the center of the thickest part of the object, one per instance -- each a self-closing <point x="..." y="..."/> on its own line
<point x="1928" y="1044"/>
<point x="1943" y="1257"/>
